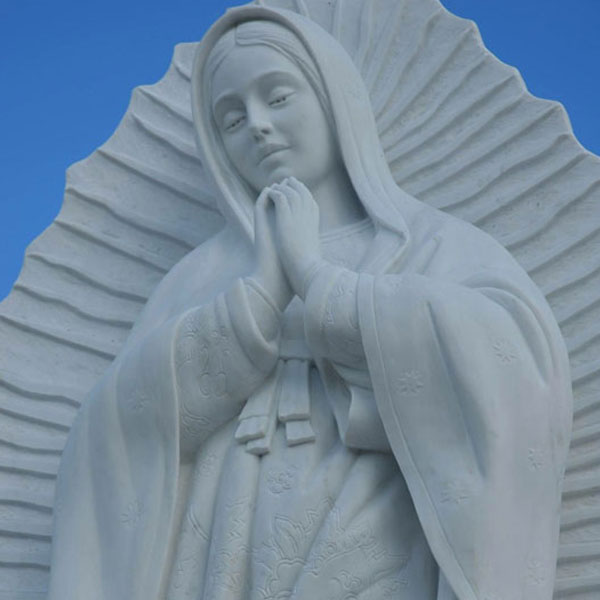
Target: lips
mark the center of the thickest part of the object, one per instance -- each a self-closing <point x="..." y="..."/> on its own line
<point x="268" y="149"/>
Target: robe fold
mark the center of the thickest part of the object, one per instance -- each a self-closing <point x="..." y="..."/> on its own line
<point x="418" y="452"/>
<point x="459" y="372"/>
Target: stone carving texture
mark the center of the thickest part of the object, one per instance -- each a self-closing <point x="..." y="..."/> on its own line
<point x="459" y="131"/>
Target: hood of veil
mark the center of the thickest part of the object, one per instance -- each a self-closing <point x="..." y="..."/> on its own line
<point x="354" y="125"/>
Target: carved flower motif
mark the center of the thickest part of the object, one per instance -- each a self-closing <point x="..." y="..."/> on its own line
<point x="349" y="582"/>
<point x="280" y="482"/>
<point x="138" y="401"/>
<point x="393" y="285"/>
<point x="536" y="572"/>
<point x="410" y="383"/>
<point x="228" y="570"/>
<point x="504" y="350"/>
<point x="133" y="513"/>
<point x="391" y="587"/>
<point x="455" y="492"/>
<point x="536" y="458"/>
<point x="206" y="465"/>
<point x="191" y="326"/>
<point x="195" y="426"/>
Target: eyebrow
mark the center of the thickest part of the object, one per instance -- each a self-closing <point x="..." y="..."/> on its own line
<point x="229" y="96"/>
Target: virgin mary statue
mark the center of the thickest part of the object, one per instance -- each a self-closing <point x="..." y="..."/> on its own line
<point x="339" y="396"/>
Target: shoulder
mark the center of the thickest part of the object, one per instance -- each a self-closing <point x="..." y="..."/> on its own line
<point x="196" y="278"/>
<point x="461" y="247"/>
<point x="433" y="223"/>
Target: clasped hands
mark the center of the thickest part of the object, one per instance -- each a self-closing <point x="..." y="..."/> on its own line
<point x="286" y="231"/>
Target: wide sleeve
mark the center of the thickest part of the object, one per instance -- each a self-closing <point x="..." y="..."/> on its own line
<point x="334" y="335"/>
<point x="117" y="486"/>
<point x="222" y="352"/>
<point x="472" y="384"/>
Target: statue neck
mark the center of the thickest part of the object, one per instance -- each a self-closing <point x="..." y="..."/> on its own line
<point x="338" y="202"/>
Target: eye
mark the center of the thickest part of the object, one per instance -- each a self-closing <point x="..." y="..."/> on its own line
<point x="279" y="97"/>
<point x="279" y="100"/>
<point x="232" y="120"/>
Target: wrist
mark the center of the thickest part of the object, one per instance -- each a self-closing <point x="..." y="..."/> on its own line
<point x="276" y="286"/>
<point x="304" y="272"/>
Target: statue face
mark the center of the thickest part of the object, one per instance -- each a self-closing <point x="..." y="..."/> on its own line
<point x="270" y="119"/>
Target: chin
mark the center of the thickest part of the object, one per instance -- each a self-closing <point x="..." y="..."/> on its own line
<point x="279" y="174"/>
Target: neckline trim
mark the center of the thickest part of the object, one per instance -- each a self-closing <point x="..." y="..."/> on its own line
<point x="345" y="230"/>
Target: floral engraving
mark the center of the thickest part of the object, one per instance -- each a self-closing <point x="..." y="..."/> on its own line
<point x="286" y="553"/>
<point x="279" y="482"/>
<point x="410" y="383"/>
<point x="133" y="513"/>
<point x="393" y="285"/>
<point x="391" y="586"/>
<point x="349" y="583"/>
<point x="455" y="492"/>
<point x="138" y="400"/>
<point x="535" y="458"/>
<point x="228" y="571"/>
<point x="195" y="426"/>
<point x="237" y="514"/>
<point x="504" y="350"/>
<point x="536" y="572"/>
<point x="189" y="563"/>
<point x="207" y="464"/>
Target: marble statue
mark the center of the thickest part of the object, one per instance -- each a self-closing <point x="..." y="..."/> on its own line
<point x="340" y="391"/>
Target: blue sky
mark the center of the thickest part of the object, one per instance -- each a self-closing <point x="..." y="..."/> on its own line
<point x="67" y="69"/>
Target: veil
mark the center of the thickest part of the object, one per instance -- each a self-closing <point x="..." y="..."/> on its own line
<point x="459" y="131"/>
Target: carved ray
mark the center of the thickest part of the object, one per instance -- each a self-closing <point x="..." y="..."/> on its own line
<point x="136" y="221"/>
<point x="338" y="15"/>
<point x="95" y="281"/>
<point x="382" y="103"/>
<point x="180" y="112"/>
<point x="366" y="20"/>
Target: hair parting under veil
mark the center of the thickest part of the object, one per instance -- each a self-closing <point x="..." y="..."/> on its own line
<point x="275" y="36"/>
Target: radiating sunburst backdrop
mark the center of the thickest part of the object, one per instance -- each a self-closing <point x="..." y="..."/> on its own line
<point x="67" y="69"/>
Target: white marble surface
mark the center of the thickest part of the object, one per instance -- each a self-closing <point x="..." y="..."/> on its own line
<point x="418" y="352"/>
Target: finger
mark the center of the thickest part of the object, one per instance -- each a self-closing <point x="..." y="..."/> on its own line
<point x="281" y="187"/>
<point x="262" y="200"/>
<point x="261" y="223"/>
<point x="299" y="186"/>
<point x="283" y="211"/>
<point x="292" y="195"/>
<point x="302" y="191"/>
<point x="279" y="199"/>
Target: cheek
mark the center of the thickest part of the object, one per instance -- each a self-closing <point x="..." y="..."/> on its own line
<point x="314" y="127"/>
<point x="237" y="153"/>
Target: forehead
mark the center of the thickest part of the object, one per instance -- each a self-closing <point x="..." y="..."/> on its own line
<point x="246" y="65"/>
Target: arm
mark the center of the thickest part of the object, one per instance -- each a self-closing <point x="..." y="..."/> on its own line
<point x="222" y="352"/>
<point x="227" y="349"/>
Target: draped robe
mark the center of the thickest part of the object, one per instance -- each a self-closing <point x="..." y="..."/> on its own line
<point x="441" y="411"/>
<point x="464" y="380"/>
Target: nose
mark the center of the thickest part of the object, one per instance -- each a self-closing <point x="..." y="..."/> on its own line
<point x="259" y="123"/>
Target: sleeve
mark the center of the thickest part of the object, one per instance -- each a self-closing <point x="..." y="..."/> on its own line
<point x="116" y="491"/>
<point x="332" y="315"/>
<point x="332" y="329"/>
<point x="223" y="351"/>
<point x="471" y="380"/>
